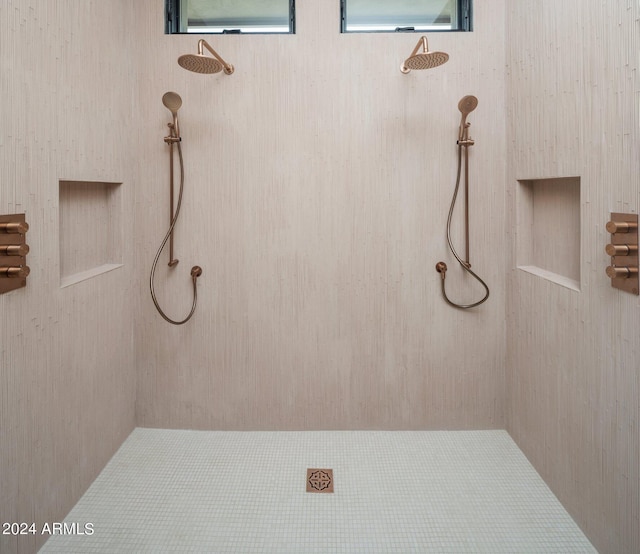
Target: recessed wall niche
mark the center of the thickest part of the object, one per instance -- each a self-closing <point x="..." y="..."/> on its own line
<point x="548" y="232"/>
<point x="90" y="230"/>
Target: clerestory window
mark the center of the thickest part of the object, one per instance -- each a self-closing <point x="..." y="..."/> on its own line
<point x="229" y="16"/>
<point x="361" y="16"/>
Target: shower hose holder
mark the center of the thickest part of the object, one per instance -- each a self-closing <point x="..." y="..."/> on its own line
<point x="623" y="249"/>
<point x="13" y="252"/>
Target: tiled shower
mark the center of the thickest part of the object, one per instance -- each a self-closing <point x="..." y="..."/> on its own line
<point x="318" y="180"/>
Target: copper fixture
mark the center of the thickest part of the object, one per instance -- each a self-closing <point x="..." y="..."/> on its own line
<point x="466" y="105"/>
<point x="173" y="102"/>
<point x="13" y="252"/>
<point x="199" y="63"/>
<point x="623" y="250"/>
<point x="425" y="59"/>
<point x="320" y="480"/>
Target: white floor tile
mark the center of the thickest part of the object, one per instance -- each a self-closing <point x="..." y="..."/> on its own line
<point x="395" y="492"/>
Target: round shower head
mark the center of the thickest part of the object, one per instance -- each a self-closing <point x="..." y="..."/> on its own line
<point x="427" y="60"/>
<point x="198" y="63"/>
<point x="467" y="104"/>
<point x="172" y="102"/>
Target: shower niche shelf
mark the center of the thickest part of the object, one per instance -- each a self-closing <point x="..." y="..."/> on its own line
<point x="548" y="229"/>
<point x="90" y="222"/>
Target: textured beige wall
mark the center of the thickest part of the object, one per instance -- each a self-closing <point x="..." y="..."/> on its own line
<point x="318" y="183"/>
<point x="573" y="358"/>
<point x="67" y="381"/>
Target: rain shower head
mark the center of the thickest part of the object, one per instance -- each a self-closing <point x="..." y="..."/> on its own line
<point x="172" y="102"/>
<point x="199" y="63"/>
<point x="424" y="60"/>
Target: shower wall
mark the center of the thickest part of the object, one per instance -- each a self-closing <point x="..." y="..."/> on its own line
<point x="67" y="381"/>
<point x="573" y="376"/>
<point x="318" y="180"/>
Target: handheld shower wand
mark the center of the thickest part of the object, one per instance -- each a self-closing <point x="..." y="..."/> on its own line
<point x="466" y="105"/>
<point x="172" y="102"/>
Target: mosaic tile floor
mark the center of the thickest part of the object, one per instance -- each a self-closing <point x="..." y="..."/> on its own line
<point x="394" y="492"/>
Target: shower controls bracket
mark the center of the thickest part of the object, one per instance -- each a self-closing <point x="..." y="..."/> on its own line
<point x="13" y="252"/>
<point x="623" y="249"/>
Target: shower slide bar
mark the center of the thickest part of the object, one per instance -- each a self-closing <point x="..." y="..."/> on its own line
<point x="172" y="102"/>
<point x="466" y="106"/>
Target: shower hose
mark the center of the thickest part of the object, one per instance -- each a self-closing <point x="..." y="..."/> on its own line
<point x="441" y="266"/>
<point x="196" y="271"/>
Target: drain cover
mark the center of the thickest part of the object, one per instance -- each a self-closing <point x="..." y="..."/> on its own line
<point x="319" y="480"/>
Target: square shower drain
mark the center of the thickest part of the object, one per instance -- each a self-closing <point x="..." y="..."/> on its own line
<point x="319" y="480"/>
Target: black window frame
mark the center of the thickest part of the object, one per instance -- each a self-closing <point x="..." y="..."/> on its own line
<point x="172" y="22"/>
<point x="465" y="23"/>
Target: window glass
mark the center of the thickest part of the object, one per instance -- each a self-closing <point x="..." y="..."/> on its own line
<point x="406" y="15"/>
<point x="230" y="16"/>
